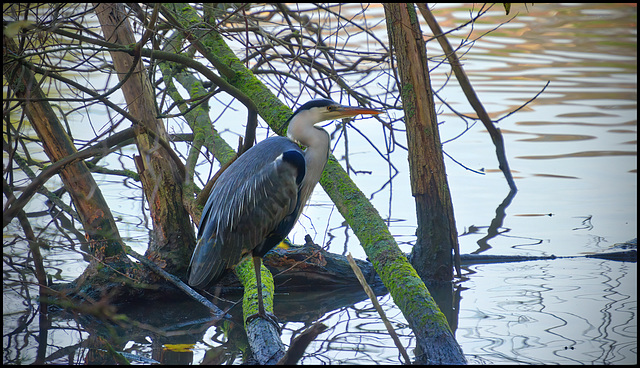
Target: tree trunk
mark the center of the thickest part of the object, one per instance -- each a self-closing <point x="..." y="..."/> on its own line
<point x="105" y="244"/>
<point x="436" y="234"/>
<point x="162" y="182"/>
<point x="98" y="223"/>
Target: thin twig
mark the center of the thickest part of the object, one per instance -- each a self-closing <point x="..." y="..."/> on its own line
<point x="178" y="283"/>
<point x="465" y="84"/>
<point x="374" y="300"/>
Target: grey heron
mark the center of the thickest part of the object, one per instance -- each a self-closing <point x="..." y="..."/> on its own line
<point x="257" y="200"/>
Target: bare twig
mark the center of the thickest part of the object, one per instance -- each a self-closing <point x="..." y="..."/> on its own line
<point x="218" y="313"/>
<point x="496" y="135"/>
<point x="376" y="305"/>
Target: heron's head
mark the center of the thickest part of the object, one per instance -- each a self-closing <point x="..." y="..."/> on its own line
<point x="322" y="109"/>
<point x="319" y="110"/>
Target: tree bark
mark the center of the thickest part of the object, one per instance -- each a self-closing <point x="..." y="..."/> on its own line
<point x="162" y="180"/>
<point x="436" y="234"/>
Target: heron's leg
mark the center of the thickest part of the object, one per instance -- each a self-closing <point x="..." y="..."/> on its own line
<point x="261" y="312"/>
<point x="257" y="262"/>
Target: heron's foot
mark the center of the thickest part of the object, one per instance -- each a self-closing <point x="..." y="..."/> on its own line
<point x="271" y="318"/>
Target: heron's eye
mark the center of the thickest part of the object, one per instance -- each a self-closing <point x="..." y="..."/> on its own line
<point x="330" y="108"/>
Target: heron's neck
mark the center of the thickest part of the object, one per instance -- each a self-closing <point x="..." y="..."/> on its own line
<point x="317" y="142"/>
<point x="316" y="155"/>
<point x="302" y="130"/>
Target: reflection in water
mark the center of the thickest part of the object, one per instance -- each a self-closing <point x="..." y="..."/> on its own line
<point x="553" y="176"/>
<point x="586" y="224"/>
<point x="584" y="128"/>
<point x="533" y="316"/>
<point x="581" y="154"/>
<point x="495" y="228"/>
<point x="558" y="138"/>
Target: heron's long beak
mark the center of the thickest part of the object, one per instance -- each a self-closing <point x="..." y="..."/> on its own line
<point x="348" y="111"/>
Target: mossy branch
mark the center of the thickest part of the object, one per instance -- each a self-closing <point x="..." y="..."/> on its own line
<point x="404" y="284"/>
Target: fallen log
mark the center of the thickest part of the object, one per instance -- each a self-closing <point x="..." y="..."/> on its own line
<point x="621" y="252"/>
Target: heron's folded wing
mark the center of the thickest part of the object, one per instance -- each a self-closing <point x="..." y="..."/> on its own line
<point x="245" y="206"/>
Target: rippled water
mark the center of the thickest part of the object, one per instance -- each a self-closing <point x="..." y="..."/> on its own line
<point x="573" y="153"/>
<point x="565" y="311"/>
<point x="573" y="150"/>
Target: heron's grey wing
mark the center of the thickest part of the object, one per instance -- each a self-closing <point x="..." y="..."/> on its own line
<point x="203" y="268"/>
<point x="249" y="201"/>
<point x="262" y="204"/>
